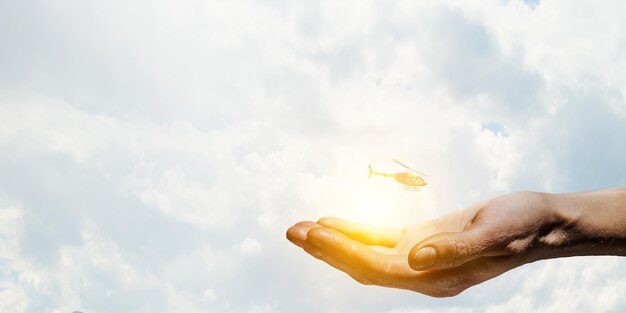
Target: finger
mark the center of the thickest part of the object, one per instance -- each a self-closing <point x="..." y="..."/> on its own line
<point x="446" y="250"/>
<point x="367" y="234"/>
<point x="350" y="256"/>
<point x="298" y="232"/>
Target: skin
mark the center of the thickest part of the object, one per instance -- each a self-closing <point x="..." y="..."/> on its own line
<point x="443" y="257"/>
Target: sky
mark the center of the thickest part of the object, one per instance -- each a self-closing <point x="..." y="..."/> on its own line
<point x="153" y="153"/>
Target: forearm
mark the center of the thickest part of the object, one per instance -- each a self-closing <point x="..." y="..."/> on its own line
<point x="590" y="223"/>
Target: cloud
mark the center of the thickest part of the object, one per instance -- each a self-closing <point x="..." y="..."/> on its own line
<point x="155" y="153"/>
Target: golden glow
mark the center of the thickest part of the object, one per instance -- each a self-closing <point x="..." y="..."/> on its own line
<point x="372" y="204"/>
<point x="374" y="200"/>
<point x="374" y="208"/>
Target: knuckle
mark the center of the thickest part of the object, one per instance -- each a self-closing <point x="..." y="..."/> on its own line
<point x="461" y="250"/>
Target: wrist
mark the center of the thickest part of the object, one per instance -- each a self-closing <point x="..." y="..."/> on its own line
<point x="592" y="223"/>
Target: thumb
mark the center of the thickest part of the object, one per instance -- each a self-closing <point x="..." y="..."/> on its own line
<point x="446" y="250"/>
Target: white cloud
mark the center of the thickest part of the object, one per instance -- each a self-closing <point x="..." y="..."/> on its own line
<point x="250" y="246"/>
<point x="155" y="152"/>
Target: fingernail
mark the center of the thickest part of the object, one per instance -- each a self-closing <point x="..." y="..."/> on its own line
<point x="424" y="258"/>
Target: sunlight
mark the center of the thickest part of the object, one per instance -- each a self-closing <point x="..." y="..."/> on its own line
<point x="374" y="208"/>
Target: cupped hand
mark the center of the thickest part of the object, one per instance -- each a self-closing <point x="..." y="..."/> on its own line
<point x="442" y="257"/>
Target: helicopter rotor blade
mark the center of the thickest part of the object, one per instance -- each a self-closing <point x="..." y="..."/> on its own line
<point x="408" y="168"/>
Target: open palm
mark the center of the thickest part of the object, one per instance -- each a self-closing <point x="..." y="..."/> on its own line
<point x="472" y="246"/>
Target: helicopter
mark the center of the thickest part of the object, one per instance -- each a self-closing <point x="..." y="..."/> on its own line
<point x="411" y="180"/>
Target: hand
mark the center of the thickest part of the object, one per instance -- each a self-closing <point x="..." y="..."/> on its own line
<point x="445" y="256"/>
